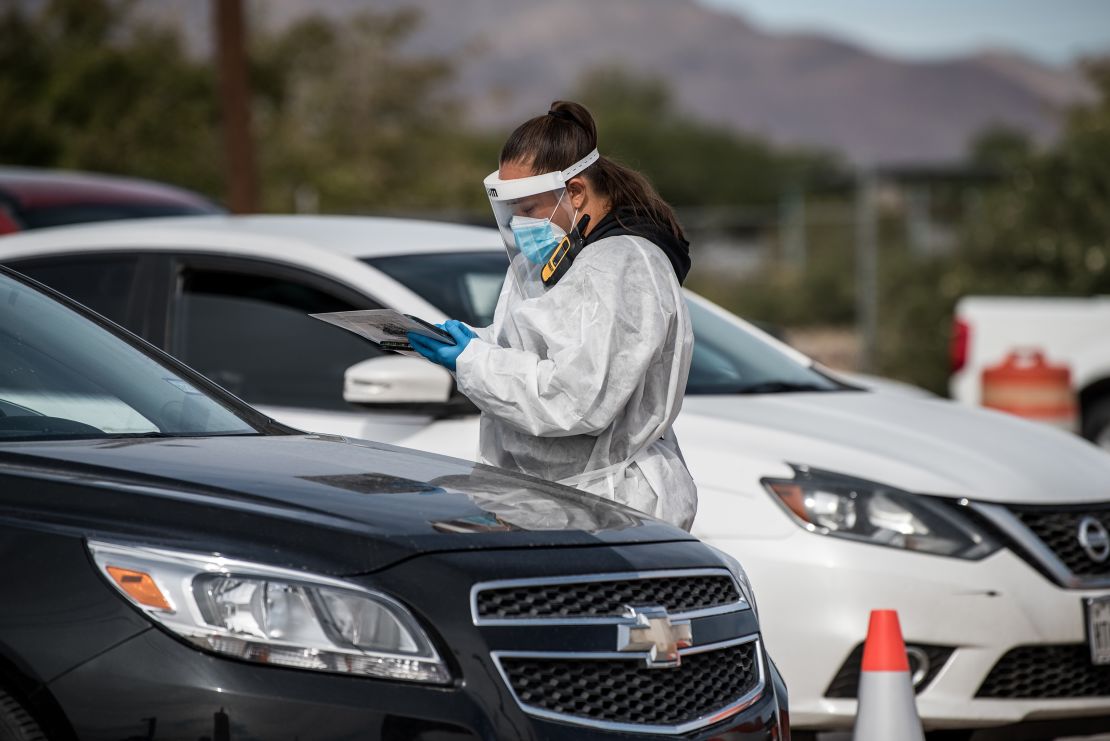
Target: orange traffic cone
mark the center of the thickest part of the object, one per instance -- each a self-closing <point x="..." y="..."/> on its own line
<point x="886" y="704"/>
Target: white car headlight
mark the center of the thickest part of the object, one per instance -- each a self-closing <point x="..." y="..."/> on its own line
<point x="272" y="615"/>
<point x="846" y="507"/>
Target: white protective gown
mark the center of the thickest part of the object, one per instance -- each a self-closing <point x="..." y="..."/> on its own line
<point x="581" y="384"/>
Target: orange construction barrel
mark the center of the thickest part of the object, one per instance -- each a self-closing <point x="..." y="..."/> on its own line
<point x="1025" y="384"/>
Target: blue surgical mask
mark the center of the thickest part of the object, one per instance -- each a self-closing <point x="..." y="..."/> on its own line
<point x="536" y="238"/>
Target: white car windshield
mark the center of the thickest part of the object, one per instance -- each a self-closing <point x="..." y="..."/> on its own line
<point x="464" y="285"/>
<point x="728" y="357"/>
<point x="63" y="376"/>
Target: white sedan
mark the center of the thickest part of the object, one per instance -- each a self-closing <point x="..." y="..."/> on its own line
<point x="988" y="534"/>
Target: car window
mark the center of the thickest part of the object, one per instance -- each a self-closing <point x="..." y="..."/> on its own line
<point x="102" y="283"/>
<point x="729" y="358"/>
<point x="62" y="375"/>
<point x="252" y="335"/>
<point x="464" y="285"/>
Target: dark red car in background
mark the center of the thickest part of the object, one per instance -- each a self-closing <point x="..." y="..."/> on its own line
<point x="31" y="199"/>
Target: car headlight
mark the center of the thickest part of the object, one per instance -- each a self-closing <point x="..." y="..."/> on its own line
<point x="847" y="507"/>
<point x="272" y="615"/>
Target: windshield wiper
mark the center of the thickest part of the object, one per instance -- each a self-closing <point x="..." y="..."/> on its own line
<point x="171" y="435"/>
<point x="132" y="435"/>
<point x="781" y="387"/>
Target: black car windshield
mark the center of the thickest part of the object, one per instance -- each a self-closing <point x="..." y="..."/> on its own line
<point x="63" y="376"/>
<point x="728" y="358"/>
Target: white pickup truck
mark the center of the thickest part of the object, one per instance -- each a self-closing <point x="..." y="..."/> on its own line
<point x="1074" y="332"/>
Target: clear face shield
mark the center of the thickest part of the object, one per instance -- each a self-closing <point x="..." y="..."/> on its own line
<point x="533" y="215"/>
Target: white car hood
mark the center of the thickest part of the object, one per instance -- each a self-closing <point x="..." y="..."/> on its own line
<point x="921" y="445"/>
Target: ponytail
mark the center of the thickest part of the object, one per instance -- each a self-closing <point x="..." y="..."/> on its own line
<point x="566" y="134"/>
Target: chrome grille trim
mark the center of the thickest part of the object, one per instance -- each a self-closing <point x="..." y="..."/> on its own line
<point x="745" y="701"/>
<point x="1011" y="525"/>
<point x="740" y="604"/>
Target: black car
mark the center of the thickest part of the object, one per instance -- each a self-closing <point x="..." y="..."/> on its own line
<point x="178" y="566"/>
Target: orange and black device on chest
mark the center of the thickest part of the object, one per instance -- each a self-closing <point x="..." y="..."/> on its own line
<point x="563" y="256"/>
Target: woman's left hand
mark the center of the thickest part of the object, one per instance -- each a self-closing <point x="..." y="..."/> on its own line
<point x="442" y="353"/>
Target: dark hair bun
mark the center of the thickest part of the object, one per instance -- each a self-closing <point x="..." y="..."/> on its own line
<point x="577" y="114"/>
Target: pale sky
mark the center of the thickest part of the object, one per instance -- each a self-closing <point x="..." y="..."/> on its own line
<point x="1055" y="31"/>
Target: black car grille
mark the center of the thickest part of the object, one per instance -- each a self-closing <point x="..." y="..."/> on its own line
<point x="626" y="691"/>
<point x="1058" y="528"/>
<point x="1046" y="672"/>
<point x="846" y="682"/>
<point x="677" y="594"/>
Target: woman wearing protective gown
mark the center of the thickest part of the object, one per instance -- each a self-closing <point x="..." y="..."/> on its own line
<point x="583" y="370"/>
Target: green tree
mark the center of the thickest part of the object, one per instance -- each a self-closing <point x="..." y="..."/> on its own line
<point x="1001" y="148"/>
<point x="340" y="111"/>
<point x="1044" y="231"/>
<point x="345" y="113"/>
<point x="84" y="85"/>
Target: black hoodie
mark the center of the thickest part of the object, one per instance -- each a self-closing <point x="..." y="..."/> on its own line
<point x="624" y="221"/>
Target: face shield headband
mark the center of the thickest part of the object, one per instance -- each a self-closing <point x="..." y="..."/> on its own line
<point x="507" y="190"/>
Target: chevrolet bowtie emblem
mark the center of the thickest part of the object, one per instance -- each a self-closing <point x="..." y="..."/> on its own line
<point x="651" y="629"/>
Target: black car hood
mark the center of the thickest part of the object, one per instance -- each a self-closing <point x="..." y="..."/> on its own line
<point x="287" y="492"/>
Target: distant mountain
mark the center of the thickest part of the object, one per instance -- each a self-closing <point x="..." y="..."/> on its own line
<point x="792" y="88"/>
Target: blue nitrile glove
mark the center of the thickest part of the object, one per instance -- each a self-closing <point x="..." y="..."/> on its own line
<point x="443" y="353"/>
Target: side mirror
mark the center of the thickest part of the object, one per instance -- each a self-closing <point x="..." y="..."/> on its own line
<point x="403" y="383"/>
<point x="397" y="379"/>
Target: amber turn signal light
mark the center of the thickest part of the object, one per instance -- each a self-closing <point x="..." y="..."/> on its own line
<point x="139" y="586"/>
<point x="793" y="497"/>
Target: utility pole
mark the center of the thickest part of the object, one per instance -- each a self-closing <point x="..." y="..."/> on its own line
<point x="231" y="61"/>
<point x="792" y="210"/>
<point x="867" y="267"/>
